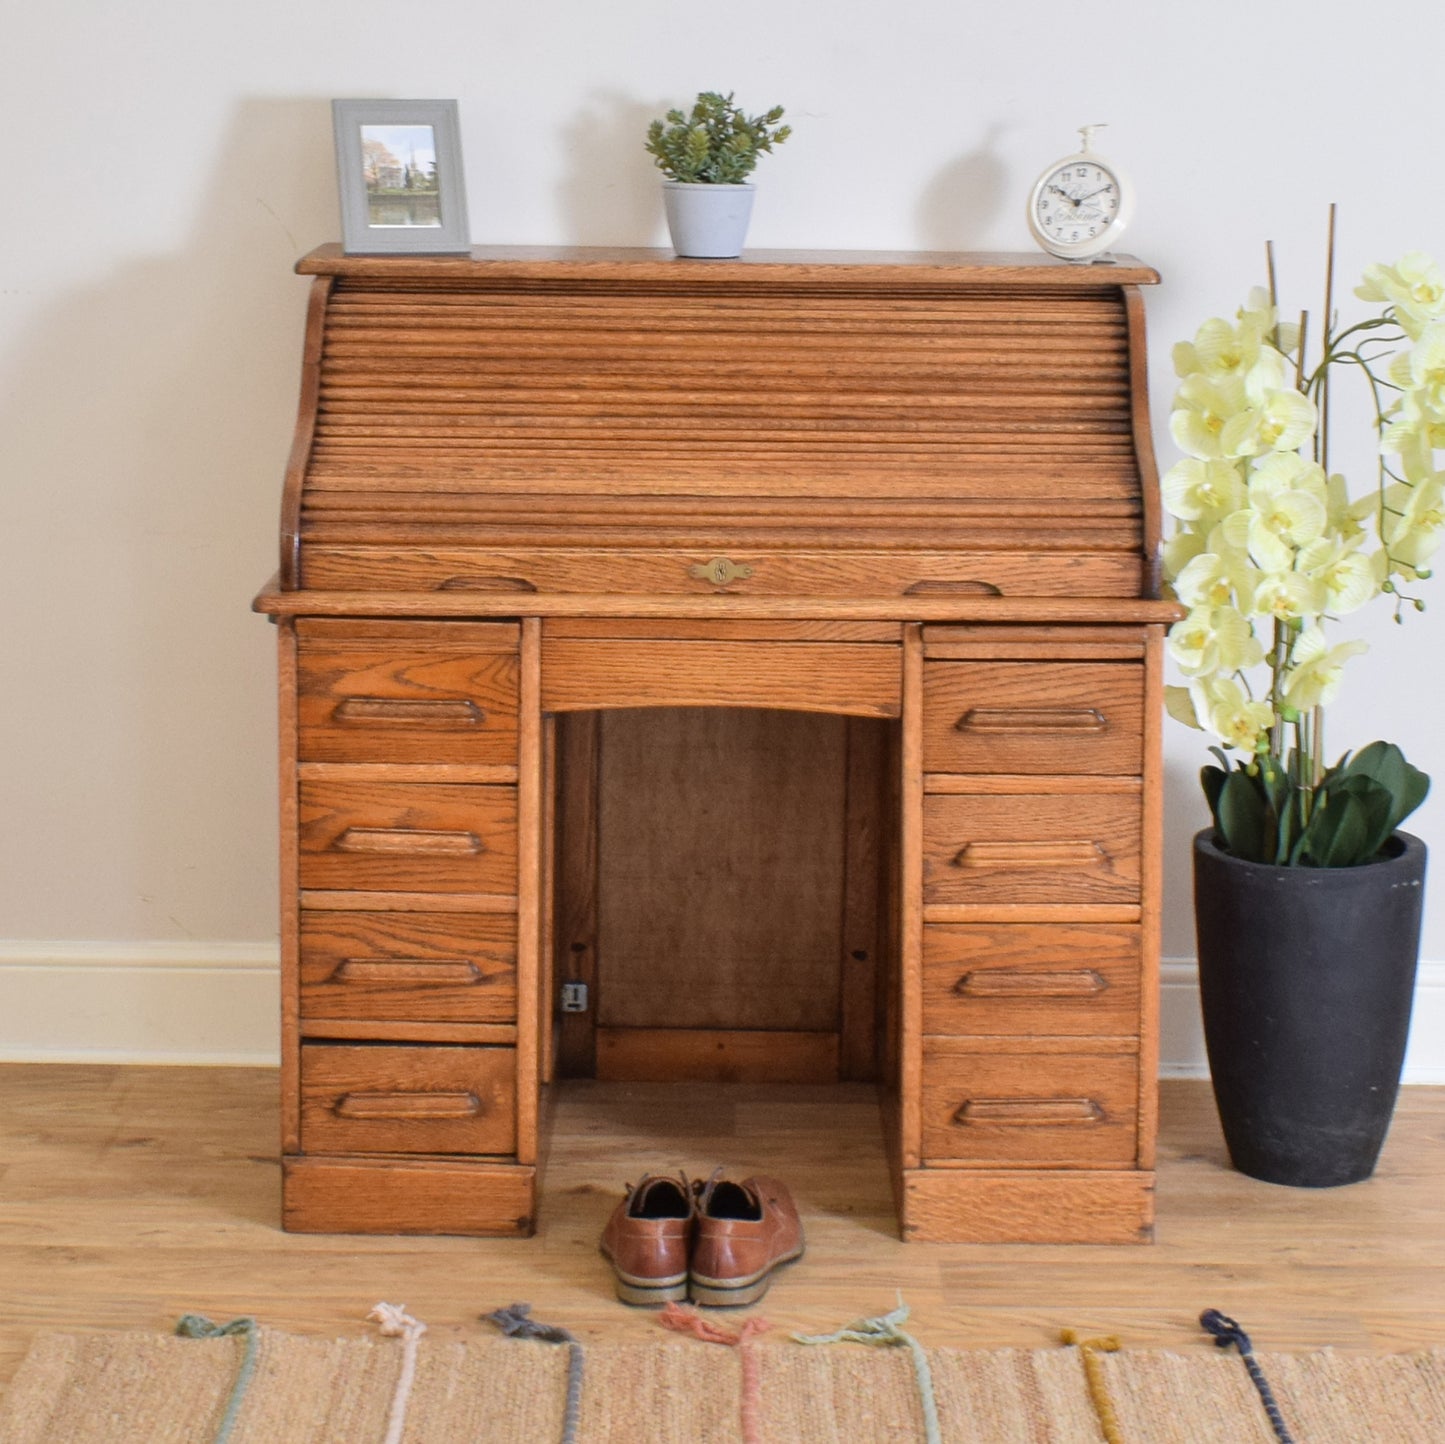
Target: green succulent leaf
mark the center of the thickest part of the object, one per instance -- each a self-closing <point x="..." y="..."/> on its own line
<point x="717" y="144"/>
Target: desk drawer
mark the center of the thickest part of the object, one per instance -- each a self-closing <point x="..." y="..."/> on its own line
<point x="1031" y="979"/>
<point x="727" y="568"/>
<point x="389" y="1098"/>
<point x="1031" y="1108"/>
<point x="409" y="967"/>
<point x="1033" y="717"/>
<point x="1032" y="848"/>
<point x="408" y="836"/>
<point x="431" y="692"/>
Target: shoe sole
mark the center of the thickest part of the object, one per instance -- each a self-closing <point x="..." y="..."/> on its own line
<point x="646" y="1293"/>
<point x="736" y="1293"/>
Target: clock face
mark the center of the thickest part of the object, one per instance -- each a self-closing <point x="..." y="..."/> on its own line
<point x="1076" y="205"/>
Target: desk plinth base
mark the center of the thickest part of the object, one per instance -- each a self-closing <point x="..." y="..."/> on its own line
<point x="407" y="1195"/>
<point x="955" y="1205"/>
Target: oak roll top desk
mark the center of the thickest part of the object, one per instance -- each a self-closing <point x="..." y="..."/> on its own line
<point x="708" y="670"/>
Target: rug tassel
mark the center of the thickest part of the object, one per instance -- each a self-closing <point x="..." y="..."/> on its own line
<point x="394" y="1321"/>
<point x="516" y="1323"/>
<point x="1227" y="1332"/>
<point x="887" y="1330"/>
<point x="688" y="1321"/>
<point x="197" y="1326"/>
<point x="1089" y="1351"/>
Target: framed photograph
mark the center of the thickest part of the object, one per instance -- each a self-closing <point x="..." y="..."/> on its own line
<point x="399" y="168"/>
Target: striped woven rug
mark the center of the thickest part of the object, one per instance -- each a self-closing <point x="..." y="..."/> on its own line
<point x="159" y="1389"/>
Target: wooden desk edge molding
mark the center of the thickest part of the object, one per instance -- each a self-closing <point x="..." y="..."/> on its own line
<point x="874" y="536"/>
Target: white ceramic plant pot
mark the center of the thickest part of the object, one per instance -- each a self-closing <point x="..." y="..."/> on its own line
<point x="707" y="220"/>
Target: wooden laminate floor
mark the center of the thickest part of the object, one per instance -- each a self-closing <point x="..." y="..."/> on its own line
<point x="131" y="1195"/>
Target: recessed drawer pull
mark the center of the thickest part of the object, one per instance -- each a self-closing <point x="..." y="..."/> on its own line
<point x="408" y="712"/>
<point x="1071" y="720"/>
<point x="962" y="587"/>
<point x="1007" y="983"/>
<point x="373" y="1107"/>
<point x="408" y="972"/>
<point x="1029" y="1112"/>
<point x="481" y="583"/>
<point x="1081" y="853"/>
<point x="408" y="841"/>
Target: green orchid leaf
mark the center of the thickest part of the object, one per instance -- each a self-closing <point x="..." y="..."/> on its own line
<point x="1384" y="763"/>
<point x="1350" y="824"/>
<point x="1242" y="818"/>
<point x="1211" y="781"/>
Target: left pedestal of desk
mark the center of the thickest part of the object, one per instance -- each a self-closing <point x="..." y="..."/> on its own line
<point x="408" y="926"/>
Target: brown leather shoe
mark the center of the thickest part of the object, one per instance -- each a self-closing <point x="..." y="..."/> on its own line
<point x="744" y="1231"/>
<point x="648" y="1239"/>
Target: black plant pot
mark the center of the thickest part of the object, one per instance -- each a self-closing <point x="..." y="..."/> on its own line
<point x="1306" y="976"/>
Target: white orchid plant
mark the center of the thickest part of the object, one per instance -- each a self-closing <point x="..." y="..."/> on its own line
<point x="1270" y="548"/>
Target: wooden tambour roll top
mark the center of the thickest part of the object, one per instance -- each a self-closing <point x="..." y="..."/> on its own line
<point x="819" y="425"/>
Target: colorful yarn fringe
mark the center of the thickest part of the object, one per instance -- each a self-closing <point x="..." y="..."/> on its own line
<point x="197" y="1326"/>
<point x="515" y="1322"/>
<point x="689" y="1321"/>
<point x="1099" y="1396"/>
<point x="886" y="1330"/>
<point x="1227" y="1332"/>
<point x="394" y="1322"/>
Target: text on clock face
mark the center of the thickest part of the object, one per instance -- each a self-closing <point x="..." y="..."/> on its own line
<point x="1077" y="201"/>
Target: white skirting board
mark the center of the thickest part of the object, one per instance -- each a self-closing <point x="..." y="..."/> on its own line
<point x="69" y="1002"/>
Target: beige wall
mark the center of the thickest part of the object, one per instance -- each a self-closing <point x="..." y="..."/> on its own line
<point x="167" y="161"/>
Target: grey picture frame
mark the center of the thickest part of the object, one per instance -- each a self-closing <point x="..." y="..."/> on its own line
<point x="412" y="203"/>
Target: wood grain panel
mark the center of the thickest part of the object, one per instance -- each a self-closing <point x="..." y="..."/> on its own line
<point x="725" y="567"/>
<point x="1035" y="849"/>
<point x="857" y="679"/>
<point x="1030" y="1107"/>
<point x="973" y="1206"/>
<point x="399" y="1098"/>
<point x="720" y="868"/>
<point x="983" y="385"/>
<point x="422" y="837"/>
<point x="407" y="966"/>
<point x="715" y="1055"/>
<point x="408" y="1196"/>
<point x="1032" y="717"/>
<point x="384" y="700"/>
<point x="1020" y="979"/>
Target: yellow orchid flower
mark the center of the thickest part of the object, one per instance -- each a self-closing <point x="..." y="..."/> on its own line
<point x="1414" y="286"/>
<point x="1204" y="406"/>
<point x="1234" y="718"/>
<point x="1415" y="521"/>
<point x="1288" y="597"/>
<point x="1215" y="579"/>
<point x="1345" y="518"/>
<point x="1214" y="639"/>
<point x="1180" y="550"/>
<point x="1279" y="421"/>
<point x="1350" y="577"/>
<point x="1286" y="510"/>
<point x="1317" y="669"/>
<point x="1195" y="489"/>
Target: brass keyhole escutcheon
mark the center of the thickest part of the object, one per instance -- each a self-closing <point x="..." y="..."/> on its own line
<point x="719" y="571"/>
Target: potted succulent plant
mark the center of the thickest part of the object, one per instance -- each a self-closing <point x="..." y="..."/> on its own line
<point x="1307" y="896"/>
<point x="707" y="157"/>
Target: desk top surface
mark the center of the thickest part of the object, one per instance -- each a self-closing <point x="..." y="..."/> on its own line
<point x="821" y="268"/>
